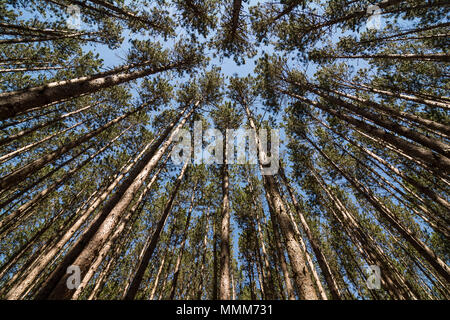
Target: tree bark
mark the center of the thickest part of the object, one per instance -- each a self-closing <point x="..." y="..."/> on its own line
<point x="13" y="103"/>
<point x="321" y="259"/>
<point x="440" y="266"/>
<point x="183" y="243"/>
<point x="225" y="259"/>
<point x="299" y="269"/>
<point x="92" y="240"/>
<point x="143" y="263"/>
<point x="34" y="166"/>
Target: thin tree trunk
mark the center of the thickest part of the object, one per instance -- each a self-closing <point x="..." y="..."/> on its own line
<point x="225" y="258"/>
<point x="143" y="263"/>
<point x="204" y="250"/>
<point x="429" y="124"/>
<point x="251" y="277"/>
<point x="32" y="69"/>
<point x="282" y="259"/>
<point x="425" y="190"/>
<point x="158" y="274"/>
<point x="34" y="259"/>
<point x="21" y="212"/>
<point x="437" y="224"/>
<point x="233" y="290"/>
<point x="417" y="30"/>
<point x="183" y="243"/>
<point x="215" y="262"/>
<point x="429" y="142"/>
<point x="408" y="97"/>
<point x="261" y="281"/>
<point x="395" y="286"/>
<point x="432" y="159"/>
<point x="270" y="290"/>
<point x="312" y="268"/>
<point x="33" y="241"/>
<point x="44" y="259"/>
<point x="100" y="281"/>
<point x="83" y="253"/>
<point x="22" y="150"/>
<point x="442" y="57"/>
<point x="299" y="269"/>
<point x="407" y="234"/>
<point x="115" y="236"/>
<point x="34" y="166"/>
<point x="321" y="259"/>
<point x="44" y="124"/>
<point x="20" y="192"/>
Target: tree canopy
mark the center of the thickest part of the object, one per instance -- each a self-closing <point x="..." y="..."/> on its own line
<point x="346" y="197"/>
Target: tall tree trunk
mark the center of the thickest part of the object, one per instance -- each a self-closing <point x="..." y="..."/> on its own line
<point x="183" y="243"/>
<point x="118" y="247"/>
<point x="143" y="263"/>
<point x="23" y="149"/>
<point x="443" y="57"/>
<point x="386" y="123"/>
<point x="117" y="233"/>
<point x="414" y="98"/>
<point x="26" y="209"/>
<point x="161" y="267"/>
<point x="440" y="266"/>
<point x="225" y="257"/>
<point x="233" y="289"/>
<point x="299" y="269"/>
<point x="321" y="259"/>
<point x="391" y="280"/>
<point x="215" y="258"/>
<point x="34" y="166"/>
<point x="158" y="274"/>
<point x="432" y="159"/>
<point x="47" y="256"/>
<point x="281" y="258"/>
<point x="49" y="38"/>
<point x="45" y="124"/>
<point x="270" y="289"/>
<point x="312" y="268"/>
<point x="83" y="253"/>
<point x="260" y="280"/>
<point x="422" y="188"/>
<point x="251" y="280"/>
<point x="35" y="238"/>
<point x="204" y="251"/>
<point x="13" y="103"/>
<point x="429" y="124"/>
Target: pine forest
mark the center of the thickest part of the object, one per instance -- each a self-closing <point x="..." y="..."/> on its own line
<point x="224" y="150"/>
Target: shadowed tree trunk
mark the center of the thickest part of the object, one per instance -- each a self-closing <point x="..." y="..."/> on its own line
<point x="183" y="243"/>
<point x="225" y="257"/>
<point x="321" y="259"/>
<point x="148" y="252"/>
<point x="84" y="251"/>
